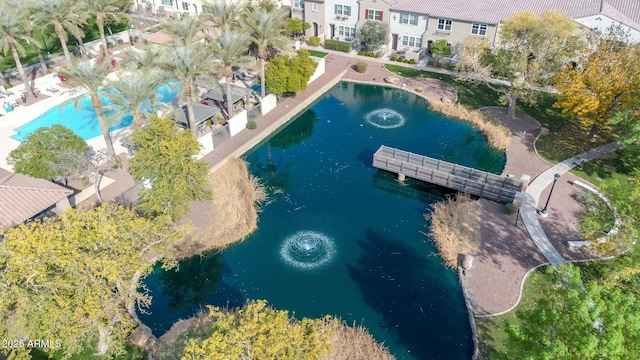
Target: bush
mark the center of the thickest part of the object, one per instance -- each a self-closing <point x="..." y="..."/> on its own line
<point x="369" y="53"/>
<point x="510" y="209"/>
<point x="337" y="45"/>
<point x="419" y="89"/>
<point x="361" y="67"/>
<point x="251" y="125"/>
<point x="120" y="41"/>
<point x="394" y="57"/>
<point x="110" y="45"/>
<point x="412" y="61"/>
<point x="314" y="41"/>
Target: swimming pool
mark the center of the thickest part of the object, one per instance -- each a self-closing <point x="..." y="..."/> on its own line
<point x="82" y="118"/>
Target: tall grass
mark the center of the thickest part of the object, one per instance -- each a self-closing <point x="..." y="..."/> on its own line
<point x="455" y="227"/>
<point x="354" y="343"/>
<point x="497" y="134"/>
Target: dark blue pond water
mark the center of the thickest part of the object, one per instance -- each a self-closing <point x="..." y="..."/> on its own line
<point x="340" y="237"/>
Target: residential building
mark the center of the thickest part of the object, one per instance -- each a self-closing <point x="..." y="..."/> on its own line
<point x="314" y="14"/>
<point x="186" y="7"/>
<point x="342" y="17"/>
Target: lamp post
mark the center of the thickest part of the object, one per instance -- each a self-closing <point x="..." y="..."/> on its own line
<point x="45" y="45"/>
<point x="543" y="212"/>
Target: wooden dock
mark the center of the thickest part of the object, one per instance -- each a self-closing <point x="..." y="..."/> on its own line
<point x="442" y="173"/>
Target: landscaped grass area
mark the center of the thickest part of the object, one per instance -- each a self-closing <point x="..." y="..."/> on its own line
<point x="131" y="353"/>
<point x="492" y="331"/>
<point x="317" y="53"/>
<point x="565" y="139"/>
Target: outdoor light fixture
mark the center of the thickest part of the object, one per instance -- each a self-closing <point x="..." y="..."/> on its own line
<point x="543" y="212"/>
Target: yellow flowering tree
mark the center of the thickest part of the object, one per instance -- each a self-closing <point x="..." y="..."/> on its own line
<point x="75" y="279"/>
<point x="603" y="80"/>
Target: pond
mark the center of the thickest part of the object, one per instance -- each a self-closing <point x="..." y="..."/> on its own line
<point x="340" y="237"/>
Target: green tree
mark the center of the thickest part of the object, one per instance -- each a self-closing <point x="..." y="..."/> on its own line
<point x="374" y="33"/>
<point x="440" y="48"/>
<point x="28" y="9"/>
<point x="531" y="49"/>
<point x="603" y="80"/>
<point x="286" y="73"/>
<point x="296" y="26"/>
<point x="229" y="50"/>
<point x="186" y="64"/>
<point x="576" y="321"/>
<point x="183" y="30"/>
<point x="103" y="10"/>
<point x="12" y="29"/>
<point x="91" y="76"/>
<point x="266" y="30"/>
<point x="43" y="152"/>
<point x="165" y="157"/>
<point x="76" y="278"/>
<point x="134" y="92"/>
<point x="224" y="13"/>
<point x="63" y="16"/>
<point x="258" y="332"/>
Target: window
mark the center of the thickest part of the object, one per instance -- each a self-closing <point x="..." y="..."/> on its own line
<point x="299" y="4"/>
<point x="411" y="41"/>
<point x="372" y="14"/>
<point x="343" y="10"/>
<point x="346" y="31"/>
<point x="314" y="7"/>
<point x="409" y="19"/>
<point x="479" y="29"/>
<point x="185" y="6"/>
<point x="167" y="2"/>
<point x="444" y="24"/>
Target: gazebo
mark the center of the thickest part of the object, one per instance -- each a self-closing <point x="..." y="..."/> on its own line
<point x="202" y="113"/>
<point x="237" y="93"/>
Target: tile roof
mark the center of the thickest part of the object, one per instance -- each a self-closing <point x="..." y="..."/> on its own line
<point x="630" y="8"/>
<point x="493" y="11"/>
<point x="22" y="197"/>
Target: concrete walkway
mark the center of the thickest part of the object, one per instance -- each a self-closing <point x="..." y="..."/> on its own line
<point x="528" y="210"/>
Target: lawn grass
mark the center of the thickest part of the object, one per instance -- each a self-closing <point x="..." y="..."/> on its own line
<point x="132" y="352"/>
<point x="491" y="331"/>
<point x="316" y="53"/>
<point x="566" y="137"/>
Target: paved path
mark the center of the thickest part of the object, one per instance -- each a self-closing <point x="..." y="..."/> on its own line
<point x="534" y="190"/>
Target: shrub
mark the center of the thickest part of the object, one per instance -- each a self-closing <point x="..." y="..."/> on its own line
<point x="314" y="41"/>
<point x="110" y="45"/>
<point x="412" y="61"/>
<point x="393" y="57"/>
<point x="369" y="53"/>
<point x="420" y="89"/>
<point x="337" y="45"/>
<point x="120" y="41"/>
<point x="251" y="125"/>
<point x="510" y="209"/>
<point x="361" y="67"/>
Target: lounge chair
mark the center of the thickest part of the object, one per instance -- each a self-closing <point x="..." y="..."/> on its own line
<point x="52" y="89"/>
<point x="5" y="91"/>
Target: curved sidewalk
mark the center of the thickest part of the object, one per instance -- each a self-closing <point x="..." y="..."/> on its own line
<point x="530" y="199"/>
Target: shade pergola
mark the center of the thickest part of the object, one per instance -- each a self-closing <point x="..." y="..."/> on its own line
<point x="237" y="93"/>
<point x="201" y="112"/>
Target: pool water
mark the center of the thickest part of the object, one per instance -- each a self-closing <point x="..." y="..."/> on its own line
<point x="340" y="237"/>
<point x="80" y="116"/>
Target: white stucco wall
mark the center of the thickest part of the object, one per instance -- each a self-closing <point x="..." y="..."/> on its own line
<point x="395" y="27"/>
<point x="338" y="20"/>
<point x="238" y="123"/>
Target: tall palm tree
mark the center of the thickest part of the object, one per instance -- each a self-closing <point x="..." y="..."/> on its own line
<point x="229" y="50"/>
<point x="62" y="16"/>
<point x="224" y="13"/>
<point x="27" y="10"/>
<point x="186" y="64"/>
<point x="183" y="31"/>
<point x="91" y="76"/>
<point x="266" y="29"/>
<point x="145" y="61"/>
<point x="12" y="28"/>
<point x="134" y="92"/>
<point x="103" y="10"/>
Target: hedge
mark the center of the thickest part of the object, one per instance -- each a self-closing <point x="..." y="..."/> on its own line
<point x="361" y="67"/>
<point x="314" y="41"/>
<point x="337" y="45"/>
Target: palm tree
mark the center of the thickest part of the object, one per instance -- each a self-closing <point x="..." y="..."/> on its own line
<point x="12" y="29"/>
<point x="183" y="30"/>
<point x="27" y="10"/>
<point x="134" y="92"/>
<point x="145" y="61"/>
<point x="185" y="64"/>
<point x="229" y="49"/>
<point x="224" y="13"/>
<point x="62" y="16"/>
<point x="103" y="10"/>
<point x="266" y="29"/>
<point x="91" y="76"/>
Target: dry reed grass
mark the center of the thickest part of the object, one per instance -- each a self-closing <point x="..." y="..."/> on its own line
<point x="237" y="196"/>
<point x="354" y="343"/>
<point x="455" y="227"/>
<point x="497" y="135"/>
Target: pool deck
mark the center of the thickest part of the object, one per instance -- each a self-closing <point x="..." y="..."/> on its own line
<point x="506" y="252"/>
